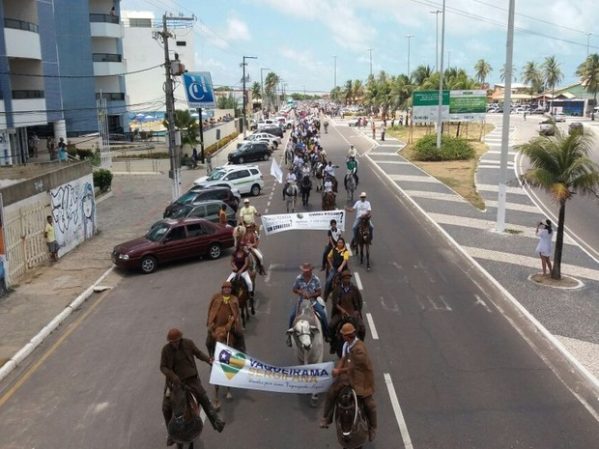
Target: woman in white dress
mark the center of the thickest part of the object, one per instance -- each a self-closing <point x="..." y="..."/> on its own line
<point x="545" y="233"/>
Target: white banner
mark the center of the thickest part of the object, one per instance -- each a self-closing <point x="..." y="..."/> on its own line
<point x="303" y="221"/>
<point x="276" y="171"/>
<point x="232" y="368"/>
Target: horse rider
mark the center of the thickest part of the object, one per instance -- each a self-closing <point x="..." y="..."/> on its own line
<point x="328" y="185"/>
<point x="352" y="152"/>
<point x="329" y="169"/>
<point x="247" y="213"/>
<point x="352" y="168"/>
<point x="362" y="207"/>
<point x="249" y="242"/>
<point x="290" y="179"/>
<point x="178" y="365"/>
<point x="240" y="262"/>
<point x="333" y="235"/>
<point x="307" y="286"/>
<point x="224" y="308"/>
<point x="354" y="369"/>
<point x="338" y="258"/>
<point x="346" y="304"/>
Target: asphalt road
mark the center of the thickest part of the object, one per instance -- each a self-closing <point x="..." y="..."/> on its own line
<point x="451" y="369"/>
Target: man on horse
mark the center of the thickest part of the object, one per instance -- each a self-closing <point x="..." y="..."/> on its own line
<point x="224" y="311"/>
<point x="338" y="259"/>
<point x="354" y="369"/>
<point x="307" y="286"/>
<point x="240" y="262"/>
<point x="333" y="235"/>
<point x="346" y="306"/>
<point x="178" y="365"/>
<point x="352" y="169"/>
<point x="247" y="213"/>
<point x="249" y="242"/>
<point x="362" y="208"/>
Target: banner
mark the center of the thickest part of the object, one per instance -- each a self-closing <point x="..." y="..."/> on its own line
<point x="458" y="106"/>
<point x="276" y="171"/>
<point x="303" y="221"/>
<point x="425" y="105"/>
<point x="232" y="368"/>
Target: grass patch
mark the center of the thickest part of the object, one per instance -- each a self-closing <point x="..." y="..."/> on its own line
<point x="513" y="231"/>
<point x="459" y="174"/>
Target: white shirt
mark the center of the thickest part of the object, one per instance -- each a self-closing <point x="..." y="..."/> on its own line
<point x="362" y="207"/>
<point x="329" y="170"/>
<point x="352" y="152"/>
<point x="291" y="177"/>
<point x="328" y="186"/>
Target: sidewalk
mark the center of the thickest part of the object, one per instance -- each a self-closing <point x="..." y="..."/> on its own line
<point x="571" y="316"/>
<point x="127" y="212"/>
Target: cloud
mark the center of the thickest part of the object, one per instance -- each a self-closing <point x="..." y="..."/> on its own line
<point x="235" y="30"/>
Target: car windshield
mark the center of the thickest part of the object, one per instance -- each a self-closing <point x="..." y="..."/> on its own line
<point x="216" y="175"/>
<point x="182" y="212"/>
<point x="187" y="198"/>
<point x="157" y="232"/>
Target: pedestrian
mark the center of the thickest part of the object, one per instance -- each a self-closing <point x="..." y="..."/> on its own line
<point x="544" y="232"/>
<point x="63" y="155"/>
<point x="50" y="144"/>
<point x="373" y="126"/>
<point x="194" y="157"/>
<point x="50" y="236"/>
<point x="383" y="129"/>
<point x="222" y="215"/>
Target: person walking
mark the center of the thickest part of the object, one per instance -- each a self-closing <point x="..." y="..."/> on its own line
<point x="50" y="236"/>
<point x="373" y="127"/>
<point x="383" y="129"/>
<point x="545" y="233"/>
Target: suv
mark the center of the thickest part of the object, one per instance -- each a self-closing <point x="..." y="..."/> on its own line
<point x="197" y="194"/>
<point x="273" y="129"/>
<point x="245" y="178"/>
<point x="208" y="210"/>
<point x="251" y="151"/>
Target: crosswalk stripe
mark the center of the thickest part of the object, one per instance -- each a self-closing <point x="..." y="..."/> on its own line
<point x="410" y="178"/>
<point x="494" y="188"/>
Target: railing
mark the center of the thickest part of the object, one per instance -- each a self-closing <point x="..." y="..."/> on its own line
<point x="106" y="57"/>
<point x="103" y="18"/>
<point x="21" y="25"/>
<point x="27" y="94"/>
<point x="111" y="96"/>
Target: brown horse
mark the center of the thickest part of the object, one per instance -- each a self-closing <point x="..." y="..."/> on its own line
<point x="185" y="425"/>
<point x="223" y="334"/>
<point x="328" y="201"/>
<point x="241" y="291"/>
<point x="364" y="240"/>
<point x="350" y="419"/>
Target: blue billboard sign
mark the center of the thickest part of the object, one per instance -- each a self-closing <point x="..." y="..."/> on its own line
<point x="198" y="90"/>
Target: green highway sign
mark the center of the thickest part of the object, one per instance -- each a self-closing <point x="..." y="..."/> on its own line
<point x="458" y="106"/>
<point x="429" y="98"/>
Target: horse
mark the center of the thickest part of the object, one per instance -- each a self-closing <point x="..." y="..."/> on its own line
<point x="363" y="240"/>
<point x="289" y="156"/>
<point x="350" y="186"/>
<point x="328" y="201"/>
<point x="307" y="338"/>
<point x="185" y="424"/>
<point x="317" y="171"/>
<point x="238" y="233"/>
<point x="350" y="419"/>
<point x="305" y="188"/>
<point x="337" y="340"/>
<point x="290" y="195"/>
<point x="223" y="334"/>
<point x="241" y="291"/>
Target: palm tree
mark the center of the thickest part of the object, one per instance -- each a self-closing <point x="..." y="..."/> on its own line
<point x="531" y="74"/>
<point x="401" y="91"/>
<point x="561" y="166"/>
<point x="270" y="87"/>
<point x="256" y="90"/>
<point x="502" y="75"/>
<point x="421" y="74"/>
<point x="348" y="92"/>
<point x="357" y="91"/>
<point x="588" y="72"/>
<point x="336" y="94"/>
<point x="553" y="75"/>
<point x="482" y="69"/>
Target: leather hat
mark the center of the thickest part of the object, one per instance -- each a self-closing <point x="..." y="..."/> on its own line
<point x="348" y="329"/>
<point x="346" y="274"/>
<point x="226" y="284"/>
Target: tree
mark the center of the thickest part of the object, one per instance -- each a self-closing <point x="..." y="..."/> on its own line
<point x="531" y="74"/>
<point x="552" y="74"/>
<point x="256" y="90"/>
<point x="502" y="75"/>
<point x="348" y="92"/>
<point x="270" y="88"/>
<point x="421" y="74"/>
<point x="588" y="72"/>
<point x="187" y="125"/>
<point x="561" y="166"/>
<point x="228" y="102"/>
<point x="482" y="69"/>
<point x="357" y="91"/>
<point x="336" y="94"/>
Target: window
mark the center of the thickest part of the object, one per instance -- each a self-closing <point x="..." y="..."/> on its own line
<point x="222" y="195"/>
<point x="198" y="212"/>
<point x="140" y="23"/>
<point x="243" y="174"/>
<point x="177" y="233"/>
<point x="254" y="171"/>
<point x="181" y="43"/>
<point x="212" y="209"/>
<point x="195" y="230"/>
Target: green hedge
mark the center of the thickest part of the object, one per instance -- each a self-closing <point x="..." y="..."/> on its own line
<point x="221" y="143"/>
<point x="103" y="179"/>
<point x="452" y="149"/>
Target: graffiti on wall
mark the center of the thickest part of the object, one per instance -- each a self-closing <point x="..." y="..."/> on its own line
<point x="74" y="213"/>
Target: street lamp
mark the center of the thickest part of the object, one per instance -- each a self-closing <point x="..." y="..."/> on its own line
<point x="262" y="69"/>
<point x="334" y="71"/>
<point x="588" y="42"/>
<point x="409" y="37"/>
<point x="436" y="13"/>
<point x="243" y="64"/>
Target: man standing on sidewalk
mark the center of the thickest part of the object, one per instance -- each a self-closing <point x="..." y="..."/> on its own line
<point x="50" y="236"/>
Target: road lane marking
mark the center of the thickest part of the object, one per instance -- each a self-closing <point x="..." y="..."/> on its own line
<point x="358" y="281"/>
<point x="375" y="334"/>
<point x="268" y="204"/>
<point x="479" y="301"/>
<point x="401" y="422"/>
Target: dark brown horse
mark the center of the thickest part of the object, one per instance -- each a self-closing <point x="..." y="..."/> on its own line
<point x="222" y="334"/>
<point x="241" y="291"/>
<point x="185" y="425"/>
<point x="364" y="240"/>
<point x="328" y="201"/>
<point x="350" y="419"/>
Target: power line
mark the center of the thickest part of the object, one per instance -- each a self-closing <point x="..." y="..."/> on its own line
<point x="143" y="106"/>
<point x="79" y="76"/>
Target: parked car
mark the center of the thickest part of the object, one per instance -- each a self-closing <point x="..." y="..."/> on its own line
<point x="198" y="194"/>
<point x="273" y="141"/>
<point x="171" y="240"/>
<point x="266" y="123"/>
<point x="274" y="130"/>
<point x="547" y="127"/>
<point x="208" y="210"/>
<point x="245" y="179"/>
<point x="559" y="117"/>
<point x="252" y="151"/>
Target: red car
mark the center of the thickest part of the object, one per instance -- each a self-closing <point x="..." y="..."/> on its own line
<point x="170" y="240"/>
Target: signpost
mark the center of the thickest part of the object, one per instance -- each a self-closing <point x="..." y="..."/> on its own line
<point x="200" y="94"/>
<point x="426" y="106"/>
<point x="458" y="106"/>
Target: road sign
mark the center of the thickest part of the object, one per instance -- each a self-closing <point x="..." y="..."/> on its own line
<point x="198" y="90"/>
<point x="426" y="106"/>
<point x="467" y="105"/>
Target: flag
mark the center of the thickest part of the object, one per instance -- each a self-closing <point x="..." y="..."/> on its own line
<point x="276" y="171"/>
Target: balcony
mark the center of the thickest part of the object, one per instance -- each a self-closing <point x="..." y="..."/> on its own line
<point x="22" y="39"/>
<point x="105" y="25"/>
<point x="111" y="96"/>
<point x="29" y="108"/>
<point x="106" y="64"/>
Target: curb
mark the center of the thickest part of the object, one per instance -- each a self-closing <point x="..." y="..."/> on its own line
<point x="26" y="350"/>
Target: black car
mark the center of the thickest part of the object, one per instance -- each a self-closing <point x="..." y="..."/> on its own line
<point x="208" y="210"/>
<point x="274" y="130"/>
<point x="197" y="194"/>
<point x="254" y="151"/>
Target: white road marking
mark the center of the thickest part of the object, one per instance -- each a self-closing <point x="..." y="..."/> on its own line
<point x="401" y="422"/>
<point x="375" y="334"/>
<point x="479" y="301"/>
<point x="439" y="303"/>
<point x="358" y="281"/>
<point x="266" y="210"/>
<point x="202" y="415"/>
<point x="412" y="178"/>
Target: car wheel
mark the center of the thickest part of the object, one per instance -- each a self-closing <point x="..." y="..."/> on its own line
<point x="265" y="157"/>
<point x="240" y="160"/>
<point x="149" y="264"/>
<point x="255" y="191"/>
<point x="214" y="251"/>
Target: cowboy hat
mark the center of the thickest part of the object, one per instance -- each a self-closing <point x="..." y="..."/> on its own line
<point x="363" y="195"/>
<point x="246" y="201"/>
<point x="346" y="274"/>
<point x="348" y="329"/>
<point x="226" y="284"/>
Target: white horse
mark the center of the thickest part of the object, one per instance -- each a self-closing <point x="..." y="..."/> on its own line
<point x="350" y="185"/>
<point x="290" y="196"/>
<point x="307" y="338"/>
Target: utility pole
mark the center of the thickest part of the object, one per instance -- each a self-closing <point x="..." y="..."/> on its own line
<point x="172" y="68"/>
<point x="507" y="101"/>
<point x="244" y="124"/>
<point x="436" y="12"/>
<point x="370" y="51"/>
<point x="439" y="111"/>
<point x="262" y="69"/>
<point x="588" y="42"/>
<point x="409" y="37"/>
<point x="334" y="71"/>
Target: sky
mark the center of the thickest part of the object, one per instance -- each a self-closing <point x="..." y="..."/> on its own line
<point x="303" y="40"/>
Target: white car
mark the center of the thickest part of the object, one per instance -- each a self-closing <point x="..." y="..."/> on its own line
<point x="273" y="141"/>
<point x="245" y="178"/>
<point x="266" y="123"/>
